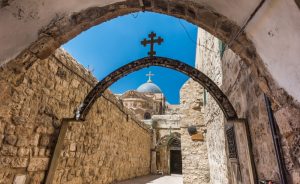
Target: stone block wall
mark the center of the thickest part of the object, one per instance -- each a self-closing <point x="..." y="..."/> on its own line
<point x="245" y="91"/>
<point x="36" y="95"/>
<point x="194" y="154"/>
<point x="242" y="84"/>
<point x="107" y="147"/>
<point x="208" y="61"/>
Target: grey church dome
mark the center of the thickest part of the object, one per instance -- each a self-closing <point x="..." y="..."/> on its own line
<point x="149" y="87"/>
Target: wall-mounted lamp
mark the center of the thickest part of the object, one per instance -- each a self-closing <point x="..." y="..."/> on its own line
<point x="192" y="130"/>
<point x="194" y="133"/>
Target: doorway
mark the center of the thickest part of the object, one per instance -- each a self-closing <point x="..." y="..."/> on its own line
<point x="175" y="162"/>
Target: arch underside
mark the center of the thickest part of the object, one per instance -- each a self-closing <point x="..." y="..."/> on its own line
<point x="63" y="29"/>
<point x="190" y="71"/>
<point x="172" y="139"/>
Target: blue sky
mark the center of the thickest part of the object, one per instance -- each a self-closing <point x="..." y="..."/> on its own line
<point x="112" y="44"/>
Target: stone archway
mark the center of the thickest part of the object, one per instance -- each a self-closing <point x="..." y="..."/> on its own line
<point x="175" y="156"/>
<point x="195" y="74"/>
<point x="58" y="28"/>
<point x="168" y="149"/>
<point x="64" y="25"/>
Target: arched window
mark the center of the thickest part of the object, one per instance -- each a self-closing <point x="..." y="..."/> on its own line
<point x="147" y="115"/>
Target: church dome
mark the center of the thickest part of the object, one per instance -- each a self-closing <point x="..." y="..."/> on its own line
<point x="149" y="86"/>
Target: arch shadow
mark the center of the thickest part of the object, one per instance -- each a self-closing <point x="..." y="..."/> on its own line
<point x="190" y="71"/>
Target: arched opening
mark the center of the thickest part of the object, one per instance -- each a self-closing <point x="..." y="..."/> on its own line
<point x="147" y="115"/>
<point x="169" y="157"/>
<point x="200" y="15"/>
<point x="64" y="28"/>
<point x="195" y="74"/>
<point x="175" y="156"/>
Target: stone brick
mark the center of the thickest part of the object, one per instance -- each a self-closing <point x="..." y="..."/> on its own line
<point x="19" y="162"/>
<point x="38" y="164"/>
<point x="6" y="176"/>
<point x="34" y="139"/>
<point x="5" y="161"/>
<point x="35" y="151"/>
<point x="44" y="140"/>
<point x="70" y="162"/>
<point x="11" y="139"/>
<point x="41" y="130"/>
<point x="19" y="179"/>
<point x="22" y="141"/>
<point x="18" y="120"/>
<point x="24" y="130"/>
<point x="75" y="83"/>
<point x="73" y="147"/>
<point x="10" y="129"/>
<point x="23" y="151"/>
<point x="9" y="150"/>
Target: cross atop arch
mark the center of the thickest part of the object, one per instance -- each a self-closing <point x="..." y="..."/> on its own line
<point x="152" y="41"/>
<point x="149" y="75"/>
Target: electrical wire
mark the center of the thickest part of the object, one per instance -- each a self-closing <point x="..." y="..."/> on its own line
<point x="135" y="15"/>
<point x="193" y="41"/>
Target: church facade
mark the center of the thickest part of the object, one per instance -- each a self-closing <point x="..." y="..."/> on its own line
<point x="146" y="101"/>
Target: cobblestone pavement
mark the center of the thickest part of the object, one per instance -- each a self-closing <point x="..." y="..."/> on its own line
<point x="155" y="179"/>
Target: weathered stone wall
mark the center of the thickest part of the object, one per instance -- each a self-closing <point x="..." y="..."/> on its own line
<point x="194" y="154"/>
<point x="246" y="94"/>
<point x="238" y="80"/>
<point x="107" y="147"/>
<point x="34" y="99"/>
<point x="208" y="61"/>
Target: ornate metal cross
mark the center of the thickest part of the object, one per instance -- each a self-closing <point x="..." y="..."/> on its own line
<point x="152" y="41"/>
<point x="149" y="75"/>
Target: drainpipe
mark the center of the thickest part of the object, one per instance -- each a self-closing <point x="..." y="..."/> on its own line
<point x="276" y="141"/>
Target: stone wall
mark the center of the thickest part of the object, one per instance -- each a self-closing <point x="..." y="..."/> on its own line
<point x="36" y="95"/>
<point x="194" y="154"/>
<point x="208" y="61"/>
<point x="107" y="147"/>
<point x="238" y="80"/>
<point x="246" y="94"/>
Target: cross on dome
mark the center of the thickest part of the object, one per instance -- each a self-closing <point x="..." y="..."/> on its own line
<point x="149" y="76"/>
<point x="149" y="86"/>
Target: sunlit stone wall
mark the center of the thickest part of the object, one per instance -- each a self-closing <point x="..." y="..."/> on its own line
<point x="208" y="61"/>
<point x="35" y="95"/>
<point x="194" y="153"/>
